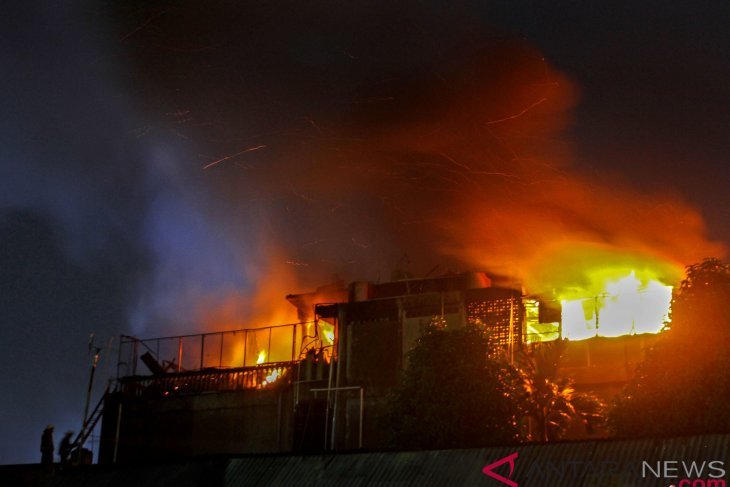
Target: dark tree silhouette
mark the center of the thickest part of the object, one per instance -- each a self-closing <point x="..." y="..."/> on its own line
<point x="551" y="399"/>
<point x="683" y="384"/>
<point x="455" y="393"/>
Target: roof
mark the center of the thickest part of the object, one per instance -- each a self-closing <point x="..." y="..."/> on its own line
<point x="584" y="463"/>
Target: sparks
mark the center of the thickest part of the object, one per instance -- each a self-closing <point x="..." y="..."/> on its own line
<point x="222" y="159"/>
<point x="517" y="115"/>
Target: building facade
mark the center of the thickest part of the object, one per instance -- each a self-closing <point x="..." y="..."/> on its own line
<point x="321" y="384"/>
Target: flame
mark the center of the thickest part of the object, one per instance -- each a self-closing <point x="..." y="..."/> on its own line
<point x="328" y="333"/>
<point x="603" y="290"/>
<point x="275" y="375"/>
<point x="256" y="309"/>
<point x="627" y="306"/>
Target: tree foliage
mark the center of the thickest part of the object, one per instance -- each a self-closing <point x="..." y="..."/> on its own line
<point x="455" y="393"/>
<point x="683" y="384"/>
<point x="550" y="399"/>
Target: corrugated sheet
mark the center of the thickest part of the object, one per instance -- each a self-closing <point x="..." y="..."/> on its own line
<point x="582" y="464"/>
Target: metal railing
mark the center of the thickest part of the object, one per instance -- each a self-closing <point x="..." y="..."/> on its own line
<point x="222" y="350"/>
<point x="192" y="382"/>
<point x="251" y="358"/>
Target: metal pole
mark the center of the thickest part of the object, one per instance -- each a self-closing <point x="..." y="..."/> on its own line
<point x="337" y="383"/>
<point x="296" y="385"/>
<point x="268" y="348"/>
<point x="362" y="406"/>
<point x="294" y="343"/>
<point x="245" y="346"/>
<point x="116" y="435"/>
<point x="295" y="395"/>
<point x="329" y="389"/>
<point x="362" y="403"/>
<point x="94" y="361"/>
<point x="220" y="358"/>
<point x="202" y="350"/>
<point x="179" y="353"/>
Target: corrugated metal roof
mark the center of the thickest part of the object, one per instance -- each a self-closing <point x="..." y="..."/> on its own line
<point x="586" y="463"/>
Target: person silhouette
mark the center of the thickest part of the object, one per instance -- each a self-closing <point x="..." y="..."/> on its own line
<point x="47" y="445"/>
<point x="64" y="449"/>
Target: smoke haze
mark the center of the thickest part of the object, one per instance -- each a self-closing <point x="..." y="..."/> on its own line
<point x="174" y="166"/>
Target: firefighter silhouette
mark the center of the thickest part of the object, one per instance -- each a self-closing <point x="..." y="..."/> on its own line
<point x="64" y="449"/>
<point x="47" y="445"/>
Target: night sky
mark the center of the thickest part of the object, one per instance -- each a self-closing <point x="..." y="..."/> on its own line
<point x="172" y="165"/>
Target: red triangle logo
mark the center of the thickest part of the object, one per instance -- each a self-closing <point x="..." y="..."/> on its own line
<point x="489" y="469"/>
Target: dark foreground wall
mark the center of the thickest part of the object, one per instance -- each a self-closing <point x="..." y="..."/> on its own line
<point x="189" y="425"/>
<point x="594" y="463"/>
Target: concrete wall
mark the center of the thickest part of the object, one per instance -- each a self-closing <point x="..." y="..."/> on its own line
<point x="252" y="421"/>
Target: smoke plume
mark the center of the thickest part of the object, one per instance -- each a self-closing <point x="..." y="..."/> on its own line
<point x="356" y="140"/>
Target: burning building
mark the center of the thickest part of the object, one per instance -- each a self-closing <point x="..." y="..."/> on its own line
<point x="321" y="383"/>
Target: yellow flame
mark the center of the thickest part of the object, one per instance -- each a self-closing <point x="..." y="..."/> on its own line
<point x="261" y="358"/>
<point x="328" y="333"/>
<point x="625" y="306"/>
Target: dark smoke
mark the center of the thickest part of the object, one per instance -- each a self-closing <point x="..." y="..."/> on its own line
<point x="72" y="204"/>
<point x="370" y="137"/>
<point x="370" y="122"/>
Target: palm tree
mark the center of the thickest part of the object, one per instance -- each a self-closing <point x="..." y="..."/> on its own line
<point x="550" y="400"/>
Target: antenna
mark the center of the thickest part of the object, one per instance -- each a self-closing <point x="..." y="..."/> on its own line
<point x="95" y="352"/>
